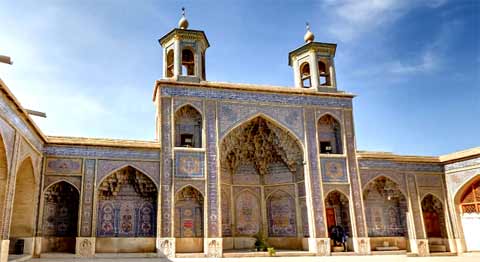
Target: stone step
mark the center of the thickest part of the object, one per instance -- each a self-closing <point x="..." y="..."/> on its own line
<point x="18" y="258"/>
<point x="57" y="255"/>
<point x="189" y="255"/>
<point x="233" y="254"/>
<point x="437" y="248"/>
<point x="395" y="252"/>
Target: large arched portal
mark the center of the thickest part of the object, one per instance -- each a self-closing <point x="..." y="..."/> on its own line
<point x="189" y="220"/>
<point x="263" y="189"/>
<point x="127" y="204"/>
<point x="338" y="215"/>
<point x="24" y="207"/>
<point x="469" y="206"/>
<point x="3" y="180"/>
<point x="434" y="219"/>
<point x="385" y="211"/>
<point x="60" y="218"/>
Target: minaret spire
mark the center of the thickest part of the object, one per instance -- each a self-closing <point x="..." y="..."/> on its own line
<point x="309" y="37"/>
<point x="183" y="22"/>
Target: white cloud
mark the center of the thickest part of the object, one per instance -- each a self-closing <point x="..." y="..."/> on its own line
<point x="428" y="62"/>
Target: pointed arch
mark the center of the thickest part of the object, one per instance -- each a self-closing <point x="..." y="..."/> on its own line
<point x="188" y="121"/>
<point x="468" y="196"/>
<point x="329" y="134"/>
<point x="47" y="187"/>
<point x="189" y="213"/>
<point x="434" y="216"/>
<point x="124" y="166"/>
<point x="192" y="186"/>
<point x="25" y="201"/>
<point x="169" y="62"/>
<point x="4" y="167"/>
<point x="281" y="213"/>
<point x="395" y="180"/>
<point x="337" y="211"/>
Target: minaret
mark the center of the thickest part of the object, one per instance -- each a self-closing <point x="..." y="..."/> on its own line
<point x="184" y="53"/>
<point x="313" y="64"/>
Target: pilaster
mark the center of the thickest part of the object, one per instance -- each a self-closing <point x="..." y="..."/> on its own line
<point x="361" y="245"/>
<point x="319" y="246"/>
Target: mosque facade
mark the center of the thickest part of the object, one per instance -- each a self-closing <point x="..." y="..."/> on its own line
<point x="233" y="165"/>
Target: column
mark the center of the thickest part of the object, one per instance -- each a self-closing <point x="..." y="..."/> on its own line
<point x="177" y="62"/>
<point x="315" y="77"/>
<point x="418" y="240"/>
<point x="85" y="243"/>
<point x="213" y="242"/>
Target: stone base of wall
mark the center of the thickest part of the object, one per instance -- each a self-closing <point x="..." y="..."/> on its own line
<point x="319" y="246"/>
<point x="361" y="245"/>
<point x="459" y="245"/>
<point x="166" y="247"/>
<point x="4" y="245"/>
<point x="28" y="247"/>
<point x="125" y="245"/>
<point x="213" y="247"/>
<point x="422" y="247"/>
<point x="85" y="246"/>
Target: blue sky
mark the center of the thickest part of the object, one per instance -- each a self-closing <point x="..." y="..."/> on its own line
<point x="91" y="65"/>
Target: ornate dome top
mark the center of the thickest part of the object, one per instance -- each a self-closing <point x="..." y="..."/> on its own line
<point x="183" y="22"/>
<point x="309" y="37"/>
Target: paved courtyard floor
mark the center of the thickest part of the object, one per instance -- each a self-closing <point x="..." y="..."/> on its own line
<point x="472" y="257"/>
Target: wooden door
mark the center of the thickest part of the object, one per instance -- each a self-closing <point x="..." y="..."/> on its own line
<point x="331" y="221"/>
<point x="432" y="224"/>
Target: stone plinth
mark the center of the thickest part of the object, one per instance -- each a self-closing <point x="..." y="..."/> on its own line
<point x="319" y="246"/>
<point x="85" y="246"/>
<point x="166" y="247"/>
<point x="213" y="247"/>
<point x="361" y="245"/>
<point x="4" y="244"/>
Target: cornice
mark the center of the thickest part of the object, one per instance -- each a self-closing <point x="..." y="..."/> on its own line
<point x="63" y="140"/>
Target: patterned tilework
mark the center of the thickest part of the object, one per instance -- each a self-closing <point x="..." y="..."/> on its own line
<point x="149" y="168"/>
<point x="179" y="102"/>
<point x="87" y="201"/>
<point x="166" y="186"/>
<point x="64" y="166"/>
<point x="106" y="152"/>
<point x="8" y="136"/>
<point x="336" y="113"/>
<point x="416" y="210"/>
<point x="463" y="164"/>
<point x="457" y="179"/>
<point x="399" y="178"/>
<point x="197" y="184"/>
<point x="413" y="167"/>
<point x="333" y="170"/>
<point x="8" y="113"/>
<point x="212" y="181"/>
<point x="230" y="114"/>
<point x="317" y="198"/>
<point x="354" y="176"/>
<point x="74" y="180"/>
<point x="189" y="164"/>
<point x="343" y="188"/>
<point x="243" y="96"/>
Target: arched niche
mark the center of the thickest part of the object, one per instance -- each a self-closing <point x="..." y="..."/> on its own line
<point x="188" y="220"/>
<point x="281" y="213"/>
<point x="170" y="66"/>
<point x="435" y="223"/>
<point x="60" y="217"/>
<point x="188" y="62"/>
<point x="467" y="204"/>
<point x="337" y="211"/>
<point x="329" y="135"/>
<point x="385" y="212"/>
<point x="305" y="75"/>
<point x="127" y="201"/>
<point x="247" y="214"/>
<point x="188" y="127"/>
<point x="3" y="177"/>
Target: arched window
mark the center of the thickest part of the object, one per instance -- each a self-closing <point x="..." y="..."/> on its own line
<point x="188" y="127"/>
<point x="470" y="201"/>
<point x="329" y="135"/>
<point x="324" y="74"/>
<point x="188" y="62"/>
<point x="170" y="63"/>
<point x="305" y="75"/>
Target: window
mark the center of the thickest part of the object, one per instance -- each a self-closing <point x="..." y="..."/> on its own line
<point x="323" y="73"/>
<point x="305" y="75"/>
<point x="188" y="62"/>
<point x="329" y="135"/>
<point x="188" y="127"/>
<point x="170" y="63"/>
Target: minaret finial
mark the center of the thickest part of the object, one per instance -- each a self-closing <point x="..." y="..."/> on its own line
<point x="309" y="37"/>
<point x="183" y="23"/>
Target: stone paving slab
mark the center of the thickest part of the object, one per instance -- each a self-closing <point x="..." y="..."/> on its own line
<point x="385" y="258"/>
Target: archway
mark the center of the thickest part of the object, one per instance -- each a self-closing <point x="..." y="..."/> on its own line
<point x="188" y="127"/>
<point x="127" y="204"/>
<point x="338" y="214"/>
<point x="469" y="210"/>
<point x="60" y="218"/>
<point x="263" y="189"/>
<point x="3" y="178"/>
<point x="188" y="219"/>
<point x="22" y="226"/>
<point x="385" y="211"/>
<point x="434" y="220"/>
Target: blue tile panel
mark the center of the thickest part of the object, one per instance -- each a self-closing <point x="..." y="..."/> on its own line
<point x="87" y="201"/>
<point x="315" y="183"/>
<point x="354" y="175"/>
<point x="212" y="181"/>
<point x="189" y="164"/>
<point x="463" y="164"/>
<point x="334" y="170"/>
<point x="231" y="114"/>
<point x="107" y="152"/>
<point x="244" y="96"/>
<point x="8" y="113"/>
<point x="166" y="180"/>
<point x="387" y="164"/>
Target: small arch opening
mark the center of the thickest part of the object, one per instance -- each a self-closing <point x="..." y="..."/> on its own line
<point x="324" y="74"/>
<point x="329" y="135"/>
<point x="170" y="63"/>
<point x="305" y="75"/>
<point x="188" y="62"/>
<point x="188" y="127"/>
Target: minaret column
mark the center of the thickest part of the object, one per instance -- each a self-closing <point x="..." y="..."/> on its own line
<point x="177" y="62"/>
<point x="315" y="78"/>
<point x="296" y="74"/>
